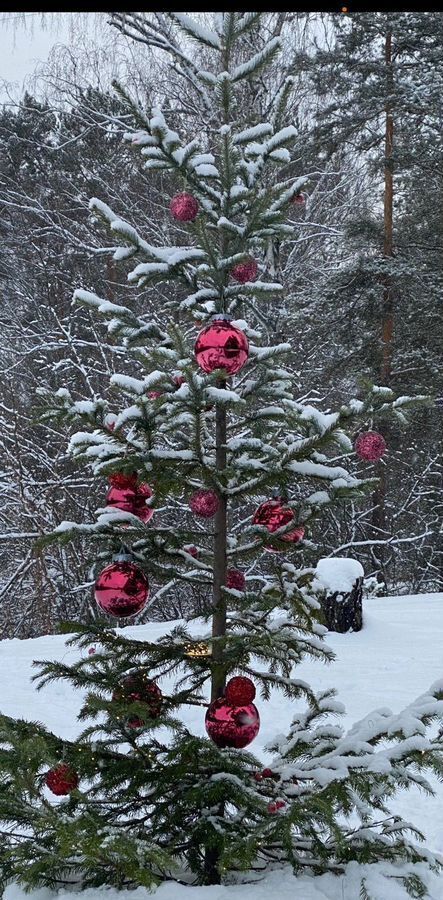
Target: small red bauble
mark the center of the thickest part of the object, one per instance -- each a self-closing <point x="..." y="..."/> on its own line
<point x="122" y="589"/>
<point x="275" y="805"/>
<point x="274" y="514"/>
<point x="138" y="687"/>
<point x="232" y="726"/>
<point x="61" y="780"/>
<point x="204" y="503"/>
<point x="142" y="494"/>
<point x="299" y="200"/>
<point x="221" y="346"/>
<point x="91" y="651"/>
<point x="370" y="445"/>
<point x="245" y="271"/>
<point x="179" y="380"/>
<point x="235" y="579"/>
<point x="193" y="551"/>
<point x="240" y="690"/>
<point x="152" y="395"/>
<point x="184" y="207"/>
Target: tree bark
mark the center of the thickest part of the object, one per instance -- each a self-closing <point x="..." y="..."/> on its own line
<point x="387" y="324"/>
<point x="345" y="614"/>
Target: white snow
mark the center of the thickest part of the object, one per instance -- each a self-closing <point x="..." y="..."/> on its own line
<point x="390" y="663"/>
<point x="338" y="573"/>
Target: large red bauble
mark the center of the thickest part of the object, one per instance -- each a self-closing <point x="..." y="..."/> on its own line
<point x="122" y="498"/>
<point x="142" y="494"/>
<point x="221" y="346"/>
<point x="370" y="445"/>
<point x="245" y="271"/>
<point x="138" y="687"/>
<point x="204" y="503"/>
<point x="232" y="726"/>
<point x="235" y="579"/>
<point x="61" y="779"/>
<point x="274" y="514"/>
<point x="122" y="589"/>
<point x="240" y="690"/>
<point x="184" y="207"/>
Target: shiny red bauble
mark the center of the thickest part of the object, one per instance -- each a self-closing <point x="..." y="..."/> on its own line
<point x="138" y="687"/>
<point x="245" y="271"/>
<point x="370" y="446"/>
<point x="232" y="726"/>
<point x="61" y="780"/>
<point x="221" y="346"/>
<point x="184" y="207"/>
<point x="274" y="514"/>
<point x="193" y="551"/>
<point x="122" y="498"/>
<point x="122" y="589"/>
<point x="275" y="805"/>
<point x="142" y="494"/>
<point x="240" y="690"/>
<point x="204" y="503"/>
<point x="235" y="579"/>
<point x="266" y="773"/>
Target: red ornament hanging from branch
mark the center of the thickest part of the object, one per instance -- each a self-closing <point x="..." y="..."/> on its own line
<point x="122" y="589"/>
<point x="221" y="346"/>
<point x="204" y="503"/>
<point x="61" y="780"/>
<point x="273" y="514"/>
<point x="184" y="207"/>
<point x="240" y="690"/>
<point x="370" y="446"/>
<point x="138" y="687"/>
<point x="299" y="200"/>
<point x="128" y="496"/>
<point x="232" y="726"/>
<point x="235" y="579"/>
<point x="245" y="271"/>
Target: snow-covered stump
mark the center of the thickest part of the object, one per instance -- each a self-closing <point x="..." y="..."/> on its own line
<point x="339" y="582"/>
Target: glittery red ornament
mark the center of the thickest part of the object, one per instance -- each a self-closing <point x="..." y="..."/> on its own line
<point x="184" y="207"/>
<point x="204" y="503"/>
<point x="274" y="514"/>
<point x="275" y="805"/>
<point x="122" y="589"/>
<point x="61" y="780"/>
<point x="221" y="346"/>
<point x="235" y="579"/>
<point x="138" y="687"/>
<point x="245" y="271"/>
<point x="266" y="773"/>
<point x="370" y="445"/>
<point x="299" y="199"/>
<point x="142" y="494"/>
<point x="232" y="726"/>
<point x="240" y="690"/>
<point x="193" y="551"/>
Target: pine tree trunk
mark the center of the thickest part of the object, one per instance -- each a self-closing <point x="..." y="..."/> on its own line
<point x="387" y="331"/>
<point x="219" y="572"/>
<point x="346" y="613"/>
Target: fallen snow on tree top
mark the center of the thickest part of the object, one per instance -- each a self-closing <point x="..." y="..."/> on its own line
<point x="337" y="574"/>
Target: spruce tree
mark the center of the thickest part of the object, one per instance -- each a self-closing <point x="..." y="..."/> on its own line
<point x="239" y="469"/>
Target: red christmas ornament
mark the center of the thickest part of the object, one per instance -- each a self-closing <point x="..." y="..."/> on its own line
<point x="266" y="773"/>
<point x="184" y="207"/>
<point x="245" y="271"/>
<point x="370" y="445"/>
<point x="232" y="726"/>
<point x="123" y="481"/>
<point x="193" y="551"/>
<point x="299" y="199"/>
<point x="91" y="651"/>
<point x="61" y="779"/>
<point x="179" y="380"/>
<point x="274" y="514"/>
<point x="235" y="579"/>
<point x="138" y="687"/>
<point x="142" y="494"/>
<point x="152" y="395"/>
<point x="240" y="691"/>
<point x="275" y="805"/>
<point x="221" y="346"/>
<point x="122" y="589"/>
<point x="204" y="503"/>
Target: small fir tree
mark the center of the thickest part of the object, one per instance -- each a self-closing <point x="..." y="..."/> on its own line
<point x="214" y="428"/>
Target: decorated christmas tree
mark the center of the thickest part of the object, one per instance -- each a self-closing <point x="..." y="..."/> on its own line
<point x="216" y="472"/>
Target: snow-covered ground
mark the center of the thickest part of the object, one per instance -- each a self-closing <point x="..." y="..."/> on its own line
<point x="396" y="657"/>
